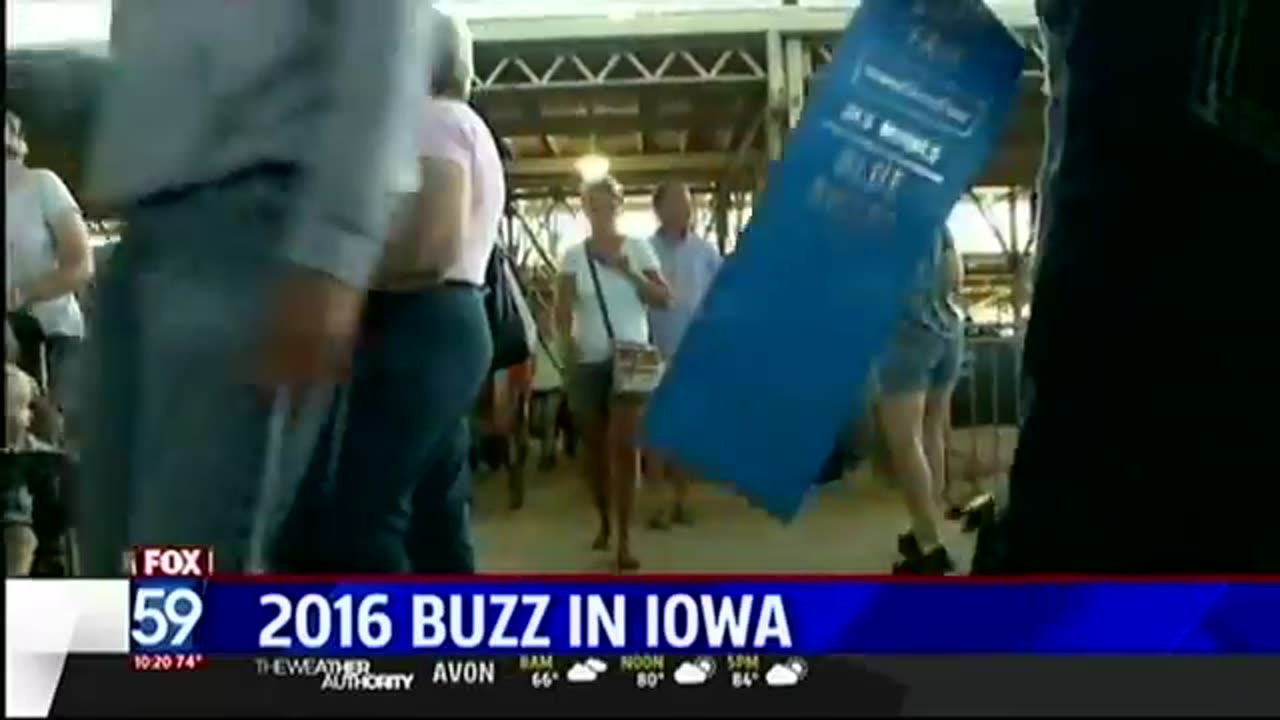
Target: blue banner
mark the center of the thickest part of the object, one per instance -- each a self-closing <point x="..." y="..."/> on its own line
<point x="904" y="118"/>
<point x="727" y="615"/>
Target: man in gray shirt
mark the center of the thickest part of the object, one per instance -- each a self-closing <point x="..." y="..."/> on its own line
<point x="252" y="149"/>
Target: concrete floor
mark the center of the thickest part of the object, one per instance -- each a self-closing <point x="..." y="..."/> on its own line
<point x="849" y="527"/>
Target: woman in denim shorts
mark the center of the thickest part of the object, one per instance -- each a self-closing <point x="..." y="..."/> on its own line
<point x="607" y="284"/>
<point x="915" y="379"/>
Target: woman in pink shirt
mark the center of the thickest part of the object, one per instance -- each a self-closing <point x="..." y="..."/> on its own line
<point x="394" y="475"/>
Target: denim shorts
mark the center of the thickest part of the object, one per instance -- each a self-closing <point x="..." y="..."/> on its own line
<point x="18" y="505"/>
<point x="590" y="389"/>
<point x="919" y="360"/>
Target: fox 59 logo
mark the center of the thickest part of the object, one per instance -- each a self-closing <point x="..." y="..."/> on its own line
<point x="166" y="605"/>
<point x="165" y="615"/>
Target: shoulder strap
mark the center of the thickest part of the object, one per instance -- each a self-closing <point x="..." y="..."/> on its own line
<point x="595" y="280"/>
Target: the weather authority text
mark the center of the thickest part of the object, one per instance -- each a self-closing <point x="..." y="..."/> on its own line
<point x="339" y="675"/>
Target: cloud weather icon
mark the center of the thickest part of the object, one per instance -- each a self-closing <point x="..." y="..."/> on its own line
<point x="580" y="673"/>
<point x="696" y="672"/>
<point x="586" y="671"/>
<point x="786" y="674"/>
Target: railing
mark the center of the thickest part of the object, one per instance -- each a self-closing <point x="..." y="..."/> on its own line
<point x="986" y="408"/>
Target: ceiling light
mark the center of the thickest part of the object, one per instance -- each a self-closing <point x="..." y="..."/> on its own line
<point x="592" y="167"/>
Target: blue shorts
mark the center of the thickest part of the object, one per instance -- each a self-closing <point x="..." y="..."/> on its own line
<point x="18" y="505"/>
<point x="919" y="360"/>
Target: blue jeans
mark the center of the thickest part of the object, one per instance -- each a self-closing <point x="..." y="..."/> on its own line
<point x="401" y="441"/>
<point x="439" y="541"/>
<point x="179" y="447"/>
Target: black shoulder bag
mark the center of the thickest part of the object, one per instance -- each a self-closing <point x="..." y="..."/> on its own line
<point x="510" y="342"/>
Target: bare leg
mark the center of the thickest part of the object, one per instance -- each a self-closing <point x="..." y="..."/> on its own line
<point x="656" y="489"/>
<point x="598" y="470"/>
<point x="545" y="406"/>
<point x="902" y="421"/>
<point x="625" y="421"/>
<point x="19" y="550"/>
<point x="567" y="427"/>
<point x="937" y="428"/>
<point x="880" y="462"/>
<point x="678" y="478"/>
<point x="519" y="434"/>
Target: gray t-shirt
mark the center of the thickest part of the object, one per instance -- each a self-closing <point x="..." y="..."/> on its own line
<point x="932" y="303"/>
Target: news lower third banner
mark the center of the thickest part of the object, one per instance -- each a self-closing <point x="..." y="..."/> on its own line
<point x="713" y="616"/>
<point x="898" y="125"/>
<point x="73" y="648"/>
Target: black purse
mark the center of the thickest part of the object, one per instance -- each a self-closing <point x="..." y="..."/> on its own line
<point x="506" y="326"/>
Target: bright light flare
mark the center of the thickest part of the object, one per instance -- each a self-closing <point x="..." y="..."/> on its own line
<point x="592" y="167"/>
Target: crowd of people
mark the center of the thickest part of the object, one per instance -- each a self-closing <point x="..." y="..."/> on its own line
<point x="285" y="353"/>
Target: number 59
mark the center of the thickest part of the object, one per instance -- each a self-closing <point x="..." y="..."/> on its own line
<point x="160" y="613"/>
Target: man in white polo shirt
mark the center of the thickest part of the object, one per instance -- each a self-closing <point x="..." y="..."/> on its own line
<point x="689" y="263"/>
